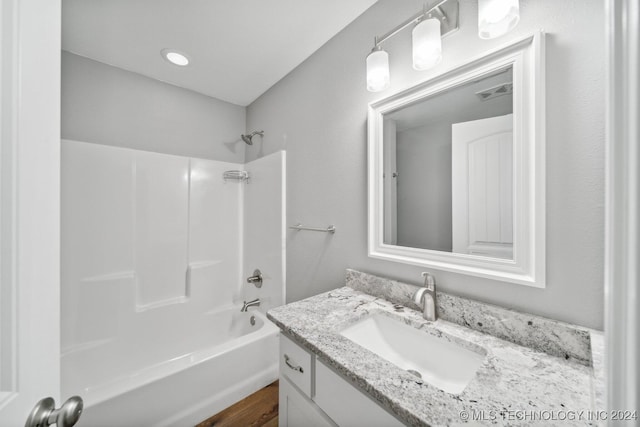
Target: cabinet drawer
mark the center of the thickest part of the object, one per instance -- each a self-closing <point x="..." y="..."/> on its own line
<point x="346" y="405"/>
<point x="295" y="364"/>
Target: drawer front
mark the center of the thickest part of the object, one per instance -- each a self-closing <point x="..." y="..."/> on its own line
<point x="346" y="405"/>
<point x="295" y="364"/>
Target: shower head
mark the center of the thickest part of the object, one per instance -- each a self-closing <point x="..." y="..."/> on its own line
<point x="248" y="138"/>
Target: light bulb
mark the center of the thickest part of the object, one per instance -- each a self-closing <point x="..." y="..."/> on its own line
<point x="175" y="57"/>
<point x="427" y="44"/>
<point x="497" y="17"/>
<point x="377" y="70"/>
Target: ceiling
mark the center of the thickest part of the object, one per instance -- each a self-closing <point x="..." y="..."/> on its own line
<point x="458" y="104"/>
<point x="238" y="48"/>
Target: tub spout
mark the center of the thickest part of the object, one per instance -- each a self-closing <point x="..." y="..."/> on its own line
<point x="246" y="304"/>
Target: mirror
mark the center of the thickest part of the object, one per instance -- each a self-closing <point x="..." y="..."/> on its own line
<point x="448" y="179"/>
<point x="456" y="169"/>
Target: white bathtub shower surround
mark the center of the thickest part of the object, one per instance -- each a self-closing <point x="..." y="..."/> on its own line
<point x="144" y="232"/>
<point x="231" y="361"/>
<point x="153" y="276"/>
<point x="264" y="237"/>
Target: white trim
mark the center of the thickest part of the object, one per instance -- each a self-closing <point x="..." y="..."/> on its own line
<point x="526" y="56"/>
<point x="29" y="204"/>
<point x="8" y="108"/>
<point x="283" y="225"/>
<point x="622" y="217"/>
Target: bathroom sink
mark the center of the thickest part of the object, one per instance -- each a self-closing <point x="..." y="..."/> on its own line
<point x="438" y="361"/>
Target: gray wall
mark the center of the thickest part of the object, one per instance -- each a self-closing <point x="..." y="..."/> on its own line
<point x="107" y="105"/>
<point x="318" y="113"/>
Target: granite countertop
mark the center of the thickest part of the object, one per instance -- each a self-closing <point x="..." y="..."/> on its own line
<point x="514" y="385"/>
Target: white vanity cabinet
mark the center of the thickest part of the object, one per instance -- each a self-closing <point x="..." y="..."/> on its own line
<point x="311" y="394"/>
<point x="296" y="410"/>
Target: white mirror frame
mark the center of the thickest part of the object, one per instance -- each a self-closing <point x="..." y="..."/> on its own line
<point x="527" y="267"/>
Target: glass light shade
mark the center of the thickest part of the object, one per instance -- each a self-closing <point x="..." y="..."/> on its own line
<point x="175" y="57"/>
<point x="378" y="71"/>
<point x="427" y="44"/>
<point x="497" y="17"/>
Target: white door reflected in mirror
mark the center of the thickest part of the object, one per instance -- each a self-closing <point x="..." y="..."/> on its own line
<point x="482" y="187"/>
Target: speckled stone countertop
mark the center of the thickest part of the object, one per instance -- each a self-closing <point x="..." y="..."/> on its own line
<point x="514" y="385"/>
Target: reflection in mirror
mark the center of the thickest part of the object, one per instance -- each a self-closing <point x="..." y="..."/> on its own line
<point x="448" y="170"/>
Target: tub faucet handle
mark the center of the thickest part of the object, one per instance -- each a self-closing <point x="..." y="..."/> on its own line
<point x="256" y="279"/>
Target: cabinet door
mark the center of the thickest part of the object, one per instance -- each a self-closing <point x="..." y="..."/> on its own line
<point x="346" y="405"/>
<point x="296" y="410"/>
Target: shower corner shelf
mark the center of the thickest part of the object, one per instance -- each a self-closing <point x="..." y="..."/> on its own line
<point x="236" y="176"/>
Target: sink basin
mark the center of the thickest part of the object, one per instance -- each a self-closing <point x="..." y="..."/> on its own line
<point x="439" y="362"/>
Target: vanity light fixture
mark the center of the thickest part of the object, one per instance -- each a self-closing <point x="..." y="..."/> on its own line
<point x="432" y="24"/>
<point x="427" y="44"/>
<point x="497" y="17"/>
<point x="377" y="70"/>
<point x="175" y="57"/>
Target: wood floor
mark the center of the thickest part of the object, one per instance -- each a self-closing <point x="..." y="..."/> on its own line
<point x="257" y="410"/>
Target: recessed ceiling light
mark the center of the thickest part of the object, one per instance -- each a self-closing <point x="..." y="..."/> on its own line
<point x="175" y="57"/>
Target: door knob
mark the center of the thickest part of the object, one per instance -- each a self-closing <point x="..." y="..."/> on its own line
<point x="45" y="413"/>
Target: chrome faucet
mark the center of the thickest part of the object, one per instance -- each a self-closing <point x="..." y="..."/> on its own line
<point x="246" y="304"/>
<point x="426" y="297"/>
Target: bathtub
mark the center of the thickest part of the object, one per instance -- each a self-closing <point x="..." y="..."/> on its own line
<point x="177" y="377"/>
